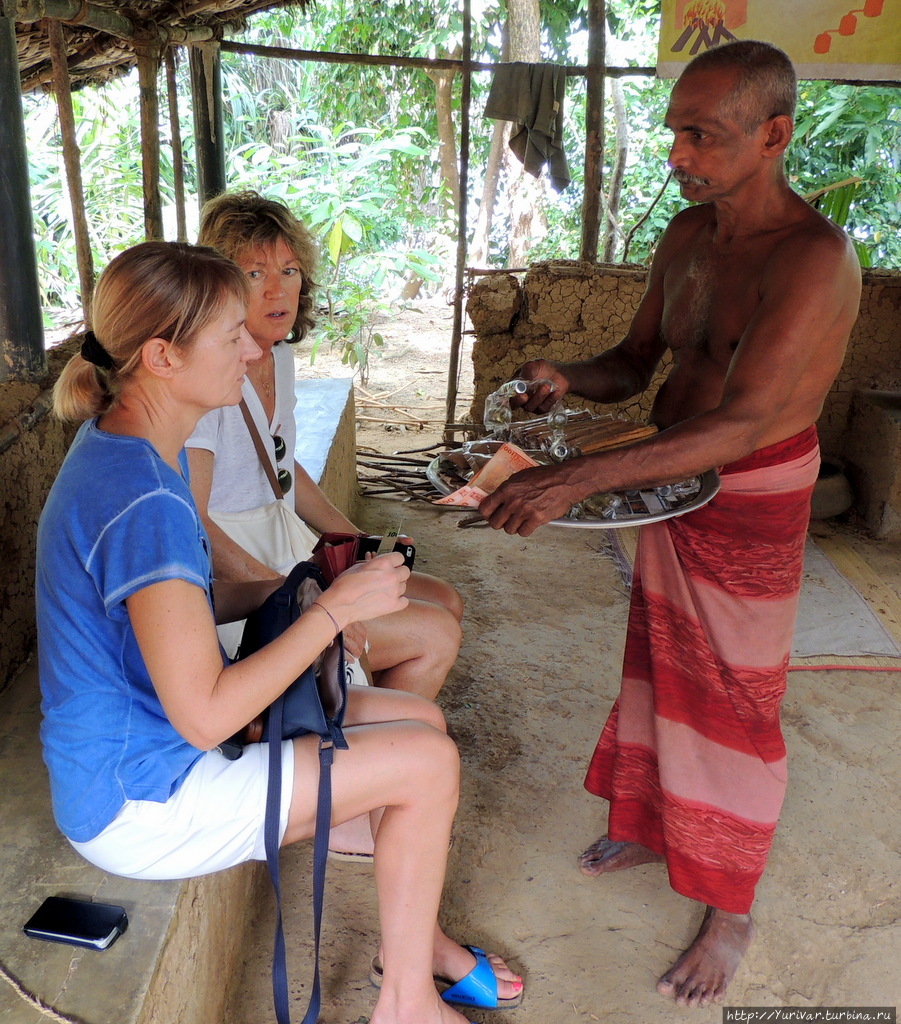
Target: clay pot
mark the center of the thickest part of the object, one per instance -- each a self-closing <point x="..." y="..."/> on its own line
<point x="832" y="492"/>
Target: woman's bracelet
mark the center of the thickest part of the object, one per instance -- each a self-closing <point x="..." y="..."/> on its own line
<point x="322" y="608"/>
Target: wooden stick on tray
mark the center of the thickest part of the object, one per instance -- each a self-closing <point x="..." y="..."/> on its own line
<point x="616" y="441"/>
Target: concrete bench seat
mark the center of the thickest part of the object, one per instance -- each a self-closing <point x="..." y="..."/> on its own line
<point x="184" y="938"/>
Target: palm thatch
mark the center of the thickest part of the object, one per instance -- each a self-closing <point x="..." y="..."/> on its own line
<point x="103" y="37"/>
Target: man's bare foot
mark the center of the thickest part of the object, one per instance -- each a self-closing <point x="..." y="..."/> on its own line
<point x="700" y="976"/>
<point x="607" y="855"/>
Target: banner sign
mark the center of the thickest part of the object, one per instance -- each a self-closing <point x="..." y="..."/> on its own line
<point x="839" y="39"/>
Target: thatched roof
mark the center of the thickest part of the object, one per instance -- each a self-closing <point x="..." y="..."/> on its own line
<point x="101" y="35"/>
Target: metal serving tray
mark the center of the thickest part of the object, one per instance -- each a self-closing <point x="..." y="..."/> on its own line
<point x="636" y="508"/>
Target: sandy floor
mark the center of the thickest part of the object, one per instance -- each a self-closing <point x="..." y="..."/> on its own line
<point x="537" y="674"/>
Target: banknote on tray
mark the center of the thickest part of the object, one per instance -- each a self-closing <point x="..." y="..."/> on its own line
<point x="506" y="461"/>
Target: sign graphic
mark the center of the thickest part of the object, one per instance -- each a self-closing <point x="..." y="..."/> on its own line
<point x="837" y="39"/>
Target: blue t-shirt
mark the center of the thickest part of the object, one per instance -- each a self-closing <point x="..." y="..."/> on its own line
<point x="118" y="519"/>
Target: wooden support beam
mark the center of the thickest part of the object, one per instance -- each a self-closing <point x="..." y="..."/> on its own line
<point x="88" y="15"/>
<point x="72" y="161"/>
<point x="209" y="129"/>
<point x="21" y="333"/>
<point x="594" y="131"/>
<point x="453" y="372"/>
<point x="178" y="163"/>
<point x="148" y="69"/>
<point x="327" y="57"/>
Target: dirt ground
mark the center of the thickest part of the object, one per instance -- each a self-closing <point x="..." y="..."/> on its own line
<point x="538" y="671"/>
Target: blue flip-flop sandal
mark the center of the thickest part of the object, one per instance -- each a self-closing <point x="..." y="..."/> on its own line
<point x="478" y="988"/>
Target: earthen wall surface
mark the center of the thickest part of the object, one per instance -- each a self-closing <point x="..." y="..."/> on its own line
<point x="33" y="444"/>
<point x="569" y="310"/>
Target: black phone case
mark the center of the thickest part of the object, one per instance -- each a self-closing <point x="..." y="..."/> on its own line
<point x="77" y="922"/>
<point x="408" y="551"/>
<point x="368" y="545"/>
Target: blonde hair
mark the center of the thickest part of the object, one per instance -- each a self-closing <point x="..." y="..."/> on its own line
<point x="167" y="290"/>
<point x="237" y="222"/>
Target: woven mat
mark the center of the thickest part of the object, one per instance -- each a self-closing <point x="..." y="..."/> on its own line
<point x="846" y="610"/>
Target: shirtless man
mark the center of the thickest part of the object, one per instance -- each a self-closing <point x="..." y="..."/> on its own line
<point x="754" y="293"/>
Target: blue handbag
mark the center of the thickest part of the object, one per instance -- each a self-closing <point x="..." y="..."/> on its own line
<point x="314" y="703"/>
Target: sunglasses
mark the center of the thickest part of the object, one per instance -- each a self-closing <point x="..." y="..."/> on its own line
<point x="283" y="476"/>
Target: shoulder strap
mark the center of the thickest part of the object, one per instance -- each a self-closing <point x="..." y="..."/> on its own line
<point x="320" y="856"/>
<point x="265" y="461"/>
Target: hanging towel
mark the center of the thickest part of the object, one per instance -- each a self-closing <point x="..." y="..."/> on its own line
<point x="531" y="96"/>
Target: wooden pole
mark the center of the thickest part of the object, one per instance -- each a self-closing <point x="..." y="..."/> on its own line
<point x="453" y="370"/>
<point x="72" y="159"/>
<point x="21" y="333"/>
<point x="148" y="69"/>
<point x="89" y="15"/>
<point x="209" y="130"/>
<point x="178" y="163"/>
<point x="430" y="63"/>
<point x="594" y="131"/>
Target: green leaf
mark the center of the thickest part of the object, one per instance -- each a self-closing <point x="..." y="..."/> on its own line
<point x="336" y="242"/>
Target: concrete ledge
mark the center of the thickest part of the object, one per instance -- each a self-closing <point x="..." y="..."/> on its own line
<point x="327" y="438"/>
<point x="184" y="938"/>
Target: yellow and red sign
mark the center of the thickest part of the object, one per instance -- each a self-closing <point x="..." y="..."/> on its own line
<point x="838" y="39"/>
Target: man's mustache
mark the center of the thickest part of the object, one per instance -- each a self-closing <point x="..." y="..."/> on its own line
<point x="689" y="179"/>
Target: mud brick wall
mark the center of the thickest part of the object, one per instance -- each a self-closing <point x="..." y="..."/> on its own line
<point x="873" y="456"/>
<point x="33" y="444"/>
<point x="569" y="310"/>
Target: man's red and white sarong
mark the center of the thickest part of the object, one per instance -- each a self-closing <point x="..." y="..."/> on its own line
<point x="692" y="758"/>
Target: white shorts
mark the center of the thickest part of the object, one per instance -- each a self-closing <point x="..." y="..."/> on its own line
<point x="214" y="821"/>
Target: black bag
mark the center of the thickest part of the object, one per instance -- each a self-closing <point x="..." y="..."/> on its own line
<point x="314" y="703"/>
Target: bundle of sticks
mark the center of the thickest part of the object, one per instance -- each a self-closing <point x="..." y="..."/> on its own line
<point x="401" y="474"/>
<point x="580" y="434"/>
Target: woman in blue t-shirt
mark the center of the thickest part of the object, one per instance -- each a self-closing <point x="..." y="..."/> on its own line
<point x="136" y="693"/>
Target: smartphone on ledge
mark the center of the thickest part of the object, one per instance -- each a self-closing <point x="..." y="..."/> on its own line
<point x="77" y="922"/>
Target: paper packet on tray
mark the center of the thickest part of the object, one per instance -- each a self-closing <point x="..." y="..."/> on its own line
<point x="506" y="461"/>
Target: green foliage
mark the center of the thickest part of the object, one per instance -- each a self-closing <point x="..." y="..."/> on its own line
<point x="845" y="131"/>
<point x="353" y="150"/>
<point x="111" y="180"/>
<point x="347" y="190"/>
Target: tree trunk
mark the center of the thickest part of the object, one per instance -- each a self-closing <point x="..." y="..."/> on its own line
<point x="447" y="141"/>
<point x="478" y="250"/>
<point x="612" y="230"/>
<point x="443" y="79"/>
<point x="526" y="194"/>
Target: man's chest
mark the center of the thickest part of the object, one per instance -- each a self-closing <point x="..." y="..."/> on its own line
<point x="709" y="300"/>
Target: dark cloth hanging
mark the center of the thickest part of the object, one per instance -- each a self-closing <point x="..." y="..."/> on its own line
<point x="531" y="96"/>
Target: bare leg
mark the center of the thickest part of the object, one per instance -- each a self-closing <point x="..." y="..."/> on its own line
<point x="414" y="649"/>
<point x="700" y="976"/>
<point x="403" y="761"/>
<point x="423" y="587"/>
<point x="354" y="836"/>
<point x="605" y="855"/>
